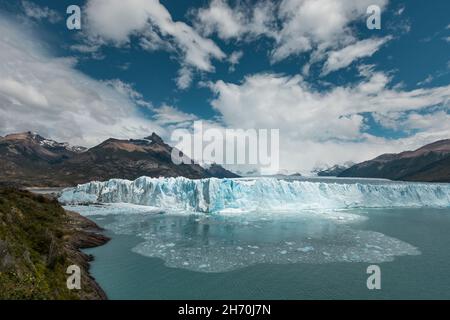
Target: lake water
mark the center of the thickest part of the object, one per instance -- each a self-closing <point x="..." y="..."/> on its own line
<point x="292" y="255"/>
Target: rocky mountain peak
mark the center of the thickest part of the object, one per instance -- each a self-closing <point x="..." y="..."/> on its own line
<point x="155" y="138"/>
<point x="30" y="159"/>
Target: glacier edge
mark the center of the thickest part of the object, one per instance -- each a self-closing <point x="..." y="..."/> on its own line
<point x="267" y="194"/>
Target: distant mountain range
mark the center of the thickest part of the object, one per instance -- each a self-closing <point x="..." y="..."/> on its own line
<point x="333" y="171"/>
<point x="28" y="159"/>
<point x="429" y="163"/>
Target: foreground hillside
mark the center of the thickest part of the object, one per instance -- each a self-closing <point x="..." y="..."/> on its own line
<point x="38" y="241"/>
<point x="430" y="163"/>
<point x="28" y="159"/>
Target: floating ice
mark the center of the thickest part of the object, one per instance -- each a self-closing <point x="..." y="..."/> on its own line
<point x="233" y="196"/>
<point x="111" y="209"/>
<point x="220" y="244"/>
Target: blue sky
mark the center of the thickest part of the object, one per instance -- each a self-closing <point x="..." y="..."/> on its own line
<point x="336" y="90"/>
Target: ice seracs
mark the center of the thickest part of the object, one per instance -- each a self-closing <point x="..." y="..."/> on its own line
<point x="260" y="194"/>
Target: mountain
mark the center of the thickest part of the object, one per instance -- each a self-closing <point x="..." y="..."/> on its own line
<point x="29" y="159"/>
<point x="129" y="159"/>
<point x="429" y="163"/>
<point x="296" y="174"/>
<point x="249" y="173"/>
<point x="215" y="170"/>
<point x="333" y="171"/>
<point x="24" y="156"/>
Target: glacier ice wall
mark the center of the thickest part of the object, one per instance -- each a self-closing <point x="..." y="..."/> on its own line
<point x="260" y="194"/>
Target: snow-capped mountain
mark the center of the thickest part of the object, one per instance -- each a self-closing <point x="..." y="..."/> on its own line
<point x="30" y="159"/>
<point x="332" y="171"/>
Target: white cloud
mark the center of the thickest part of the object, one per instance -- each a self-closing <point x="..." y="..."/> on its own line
<point x="438" y="121"/>
<point x="327" y="126"/>
<point x="427" y="80"/>
<point x="400" y="11"/>
<point x="116" y="21"/>
<point x="90" y="48"/>
<point x="84" y="48"/>
<point x="318" y="24"/>
<point x="36" y="12"/>
<point x="128" y="91"/>
<point x="294" y="26"/>
<point x="220" y="18"/>
<point x="124" y="66"/>
<point x="432" y="125"/>
<point x="42" y="93"/>
<point x="22" y="93"/>
<point x="168" y="115"/>
<point x="234" y="59"/>
<point x="344" y="57"/>
<point x="152" y="41"/>
<point x="184" y="78"/>
<point x="237" y="22"/>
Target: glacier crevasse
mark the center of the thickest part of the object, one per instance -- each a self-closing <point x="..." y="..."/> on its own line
<point x="260" y="194"/>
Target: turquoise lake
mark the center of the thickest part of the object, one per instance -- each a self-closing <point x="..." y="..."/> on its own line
<point x="281" y="256"/>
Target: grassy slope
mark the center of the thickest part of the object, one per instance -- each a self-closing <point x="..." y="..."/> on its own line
<point x="36" y="248"/>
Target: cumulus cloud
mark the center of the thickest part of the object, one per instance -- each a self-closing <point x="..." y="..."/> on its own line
<point x="318" y="25"/>
<point x="330" y="125"/>
<point x="117" y="21"/>
<point x="220" y="18"/>
<point x="238" y="22"/>
<point x="312" y="21"/>
<point x="42" y="93"/>
<point x="294" y="26"/>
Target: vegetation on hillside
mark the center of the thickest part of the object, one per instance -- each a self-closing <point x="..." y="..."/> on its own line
<point x="37" y="244"/>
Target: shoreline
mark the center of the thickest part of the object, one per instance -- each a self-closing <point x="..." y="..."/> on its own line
<point x="39" y="240"/>
<point x="86" y="234"/>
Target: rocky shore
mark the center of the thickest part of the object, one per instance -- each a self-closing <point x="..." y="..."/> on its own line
<point x="85" y="234"/>
<point x="38" y="241"/>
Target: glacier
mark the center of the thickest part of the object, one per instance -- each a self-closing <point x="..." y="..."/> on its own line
<point x="213" y="195"/>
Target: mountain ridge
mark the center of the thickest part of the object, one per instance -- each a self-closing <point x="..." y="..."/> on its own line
<point x="29" y="159"/>
<point x="429" y="163"/>
<point x="332" y="171"/>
